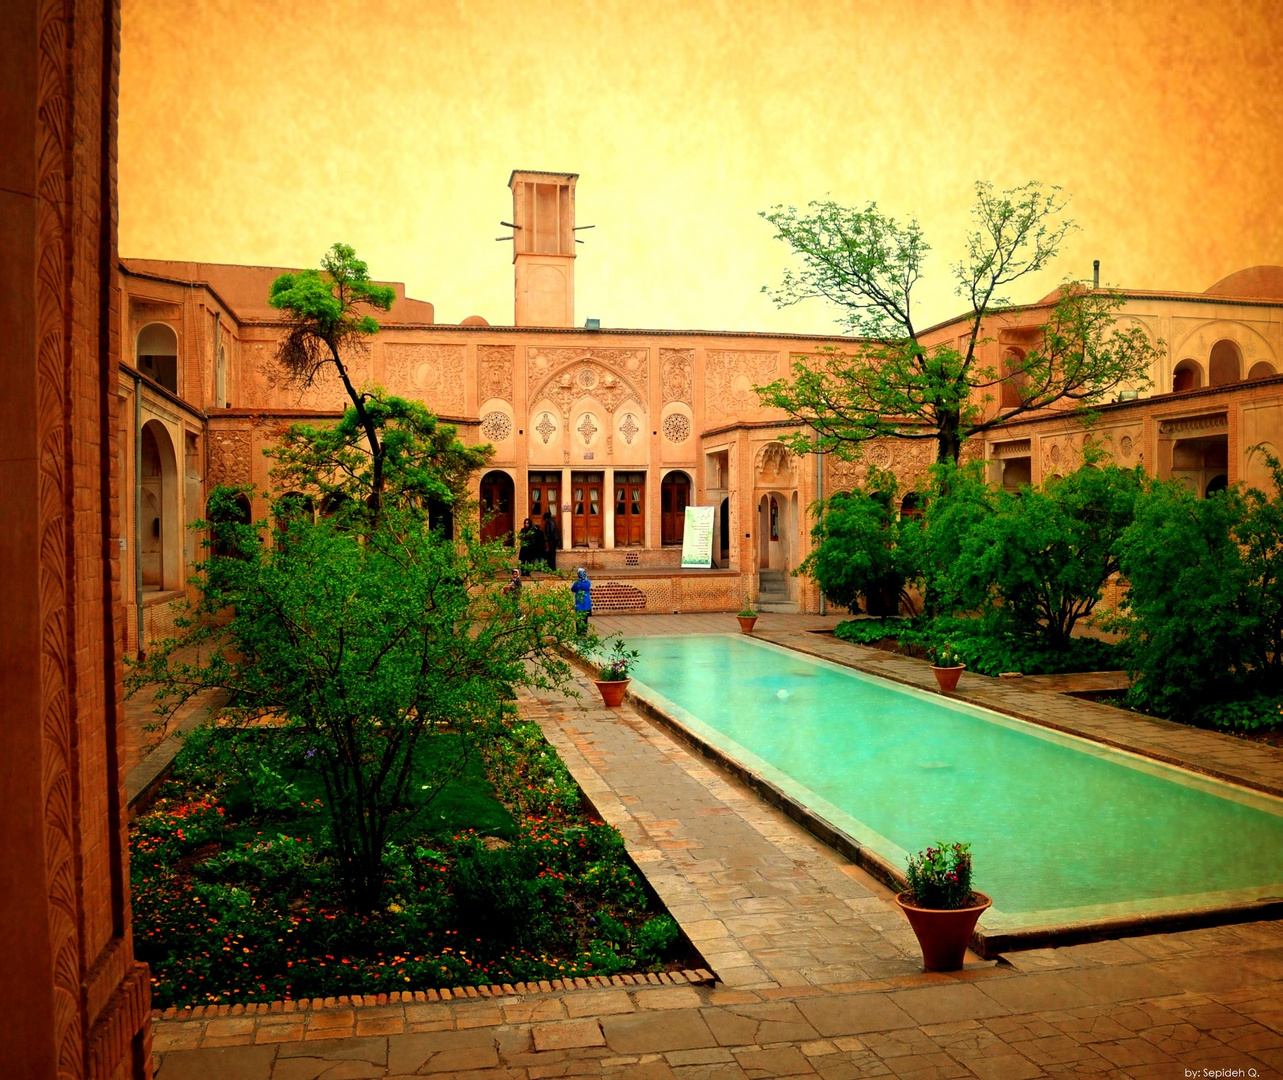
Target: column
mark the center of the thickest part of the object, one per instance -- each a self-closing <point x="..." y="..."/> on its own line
<point x="608" y="509"/>
<point x="565" y="510"/>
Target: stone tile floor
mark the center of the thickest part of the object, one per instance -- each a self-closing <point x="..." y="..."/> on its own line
<point x="818" y="973"/>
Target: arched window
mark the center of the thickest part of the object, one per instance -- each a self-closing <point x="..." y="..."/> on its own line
<point x="1262" y="369"/>
<point x="157" y="355"/>
<point x="1217" y="483"/>
<point x="911" y="506"/>
<point x="1225" y="365"/>
<point x="1187" y="376"/>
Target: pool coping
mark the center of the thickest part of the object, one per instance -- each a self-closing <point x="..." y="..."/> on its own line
<point x="988" y="944"/>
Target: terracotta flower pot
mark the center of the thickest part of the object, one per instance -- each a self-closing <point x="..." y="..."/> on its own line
<point x="943" y="934"/>
<point x="746" y="623"/>
<point x="612" y="692"/>
<point x="948" y="677"/>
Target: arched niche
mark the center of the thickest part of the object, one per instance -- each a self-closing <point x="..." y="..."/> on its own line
<point x="160" y="545"/>
<point x="1225" y="364"/>
<point x="1262" y="369"/>
<point x="156" y="354"/>
<point x="1187" y="376"/>
<point x="220" y="379"/>
<point x="1014" y="380"/>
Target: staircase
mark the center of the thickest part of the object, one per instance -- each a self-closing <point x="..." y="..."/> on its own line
<point x="773" y="593"/>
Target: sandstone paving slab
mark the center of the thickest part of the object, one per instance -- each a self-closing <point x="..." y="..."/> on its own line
<point x="220" y="1063"/>
<point x="656" y="1033"/>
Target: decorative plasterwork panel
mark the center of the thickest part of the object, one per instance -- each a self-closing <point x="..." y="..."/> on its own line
<point x="229" y="457"/>
<point x="629" y="365"/>
<point x="775" y="466"/>
<point x="1013" y="448"/>
<point x="496" y="426"/>
<point x="676" y="375"/>
<point x="1209" y="423"/>
<point x="496" y="364"/>
<point x="731" y="374"/>
<point x="908" y="459"/>
<point x="677" y="427"/>
<point x="588" y="378"/>
<point x="433" y="371"/>
<point x="268" y="384"/>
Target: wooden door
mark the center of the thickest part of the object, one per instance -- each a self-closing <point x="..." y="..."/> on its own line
<point x="674" y="497"/>
<point x="496" y="507"/>
<point x="630" y="509"/>
<point x="545" y="496"/>
<point x="585" y="509"/>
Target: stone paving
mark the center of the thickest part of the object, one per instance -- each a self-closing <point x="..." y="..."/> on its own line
<point x="818" y="973"/>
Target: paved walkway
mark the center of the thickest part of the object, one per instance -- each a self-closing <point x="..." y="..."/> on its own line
<point x="819" y="974"/>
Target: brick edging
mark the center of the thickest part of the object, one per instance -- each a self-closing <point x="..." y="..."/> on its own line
<point x="698" y="977"/>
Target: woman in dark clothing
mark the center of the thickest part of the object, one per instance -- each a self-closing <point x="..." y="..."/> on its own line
<point x="532" y="546"/>
<point x="551" y="539"/>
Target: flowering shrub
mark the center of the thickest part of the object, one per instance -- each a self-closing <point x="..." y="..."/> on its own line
<point x="944" y="655"/>
<point x="619" y="659"/>
<point x="227" y="911"/>
<point x="940" y="876"/>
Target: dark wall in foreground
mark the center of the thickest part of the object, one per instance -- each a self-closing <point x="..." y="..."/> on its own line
<point x="75" y="1000"/>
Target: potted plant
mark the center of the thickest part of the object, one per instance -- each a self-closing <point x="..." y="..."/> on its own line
<point x="747" y="615"/>
<point x="940" y="904"/>
<point x="947" y="666"/>
<point x="612" y="676"/>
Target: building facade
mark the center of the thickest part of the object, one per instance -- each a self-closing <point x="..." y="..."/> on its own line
<point x="617" y="431"/>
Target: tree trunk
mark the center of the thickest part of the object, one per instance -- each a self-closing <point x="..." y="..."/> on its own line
<point x="949" y="439"/>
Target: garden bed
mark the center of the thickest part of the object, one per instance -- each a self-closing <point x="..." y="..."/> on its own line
<point x="507" y="877"/>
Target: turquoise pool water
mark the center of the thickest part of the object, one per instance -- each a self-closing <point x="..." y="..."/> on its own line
<point x="1062" y="829"/>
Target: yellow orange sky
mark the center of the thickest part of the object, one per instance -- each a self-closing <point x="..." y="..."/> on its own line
<point x="261" y="132"/>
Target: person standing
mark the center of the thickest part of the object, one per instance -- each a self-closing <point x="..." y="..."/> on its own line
<point x="531" y="550"/>
<point x="582" y="588"/>
<point x="551" y="539"/>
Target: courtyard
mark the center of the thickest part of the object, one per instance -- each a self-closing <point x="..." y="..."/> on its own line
<point x="808" y="967"/>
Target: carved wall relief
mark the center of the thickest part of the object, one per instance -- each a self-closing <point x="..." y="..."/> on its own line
<point x="496" y="364"/>
<point x="229" y="457"/>
<point x="775" y="467"/>
<point x="676" y="374"/>
<point x="730" y="375"/>
<point x="631" y="365"/>
<point x="589" y="378"/>
<point x="433" y="372"/>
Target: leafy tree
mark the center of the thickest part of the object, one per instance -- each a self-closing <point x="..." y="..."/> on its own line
<point x="1205" y="596"/>
<point x="324" y="309"/>
<point x="857" y="553"/>
<point x="1040" y="562"/>
<point x="354" y="648"/>
<point x="893" y="385"/>
<point x="958" y="501"/>
<point x="423" y="463"/>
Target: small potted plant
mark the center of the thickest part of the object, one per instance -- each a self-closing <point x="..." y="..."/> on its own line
<point x="747" y="615"/>
<point x="947" y="666"/>
<point x="612" y="676"/>
<point x="940" y="904"/>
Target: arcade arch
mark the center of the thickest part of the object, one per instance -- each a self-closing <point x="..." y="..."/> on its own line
<point x="674" y="497"/>
<point x="1187" y="376"/>
<point x="156" y="354"/>
<point x="1225" y="364"/>
<point x="497" y="491"/>
<point x="160" y="544"/>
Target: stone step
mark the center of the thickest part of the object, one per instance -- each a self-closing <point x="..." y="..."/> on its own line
<point x="778" y="607"/>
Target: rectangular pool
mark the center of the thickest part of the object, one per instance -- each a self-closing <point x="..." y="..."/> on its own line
<point x="1063" y="830"/>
